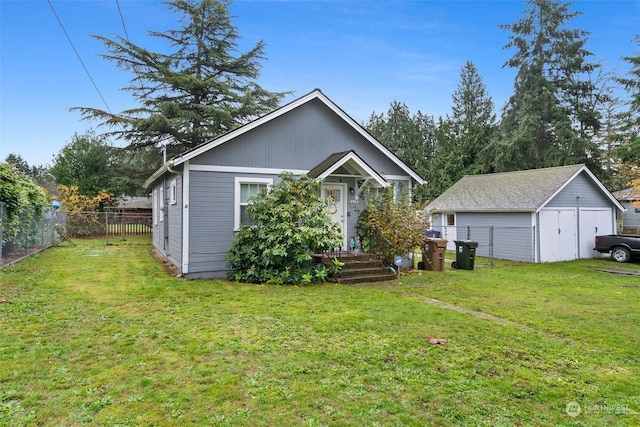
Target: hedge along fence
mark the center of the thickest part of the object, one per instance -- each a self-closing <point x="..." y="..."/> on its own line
<point x="27" y="233"/>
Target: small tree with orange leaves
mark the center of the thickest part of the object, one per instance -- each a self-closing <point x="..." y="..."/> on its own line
<point x="83" y="219"/>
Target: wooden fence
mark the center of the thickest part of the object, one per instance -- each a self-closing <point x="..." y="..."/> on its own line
<point x="108" y="224"/>
<point x="129" y="223"/>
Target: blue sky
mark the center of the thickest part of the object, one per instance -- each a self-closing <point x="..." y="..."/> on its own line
<point x="362" y="54"/>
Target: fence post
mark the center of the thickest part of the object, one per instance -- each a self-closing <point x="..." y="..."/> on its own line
<point x="106" y="225"/>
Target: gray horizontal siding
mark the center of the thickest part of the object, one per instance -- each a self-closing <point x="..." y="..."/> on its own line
<point x="582" y="192"/>
<point x="158" y="227"/>
<point x="167" y="233"/>
<point x="513" y="234"/>
<point x="175" y="220"/>
<point x="630" y="217"/>
<point x="211" y="221"/>
<point x="297" y="140"/>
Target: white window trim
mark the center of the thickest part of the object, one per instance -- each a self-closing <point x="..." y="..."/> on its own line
<point x="173" y="192"/>
<point x="155" y="207"/>
<point x="161" y="210"/>
<point x="236" y="201"/>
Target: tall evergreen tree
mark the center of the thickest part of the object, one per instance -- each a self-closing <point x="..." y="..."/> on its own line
<point x="410" y="137"/>
<point x="202" y="88"/>
<point x="472" y="120"/>
<point x="20" y="164"/>
<point x="551" y="117"/>
<point x="462" y="136"/>
<point x="628" y="150"/>
<point x="447" y="164"/>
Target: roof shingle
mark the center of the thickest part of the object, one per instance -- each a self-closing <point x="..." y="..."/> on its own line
<point x="523" y="191"/>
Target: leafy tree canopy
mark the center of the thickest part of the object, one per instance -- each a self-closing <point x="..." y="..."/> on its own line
<point x="87" y="163"/>
<point x="290" y="223"/>
<point x="200" y="89"/>
<point x="92" y="165"/>
<point x="397" y="219"/>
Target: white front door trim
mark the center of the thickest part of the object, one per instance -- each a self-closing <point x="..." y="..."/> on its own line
<point x="337" y="209"/>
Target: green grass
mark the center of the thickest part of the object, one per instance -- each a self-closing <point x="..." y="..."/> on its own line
<point x="101" y="335"/>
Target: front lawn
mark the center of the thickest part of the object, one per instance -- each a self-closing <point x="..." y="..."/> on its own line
<point x="101" y="335"/>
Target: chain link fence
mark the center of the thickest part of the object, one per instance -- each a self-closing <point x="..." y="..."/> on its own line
<point x="629" y="226"/>
<point x="514" y="243"/>
<point x="27" y="233"/>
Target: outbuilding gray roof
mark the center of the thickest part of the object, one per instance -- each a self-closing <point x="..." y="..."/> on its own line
<point x="134" y="202"/>
<point x="523" y="191"/>
<point x="628" y="194"/>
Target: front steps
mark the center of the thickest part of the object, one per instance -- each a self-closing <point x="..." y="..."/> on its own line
<point x="358" y="267"/>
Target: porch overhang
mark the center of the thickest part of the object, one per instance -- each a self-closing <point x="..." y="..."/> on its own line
<point x="354" y="165"/>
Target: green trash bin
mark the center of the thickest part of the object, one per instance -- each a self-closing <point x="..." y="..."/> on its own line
<point x="465" y="254"/>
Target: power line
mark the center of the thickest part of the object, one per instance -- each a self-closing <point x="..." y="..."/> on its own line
<point x="126" y="34"/>
<point x="78" y="55"/>
<point x="122" y="19"/>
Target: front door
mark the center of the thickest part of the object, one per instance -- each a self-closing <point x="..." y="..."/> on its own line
<point x="334" y="194"/>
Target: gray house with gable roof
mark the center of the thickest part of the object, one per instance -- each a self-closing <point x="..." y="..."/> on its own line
<point x="629" y="221"/>
<point x="539" y="215"/>
<point x="199" y="198"/>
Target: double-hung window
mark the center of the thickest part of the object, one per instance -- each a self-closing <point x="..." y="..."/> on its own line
<point x="245" y="189"/>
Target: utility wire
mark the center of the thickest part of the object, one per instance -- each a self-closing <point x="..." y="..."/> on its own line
<point x="126" y="34"/>
<point x="122" y="19"/>
<point x="78" y="55"/>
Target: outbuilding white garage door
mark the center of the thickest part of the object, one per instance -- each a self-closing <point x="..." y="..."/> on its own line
<point x="558" y="240"/>
<point x="592" y="223"/>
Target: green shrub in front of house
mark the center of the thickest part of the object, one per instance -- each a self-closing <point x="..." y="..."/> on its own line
<point x="290" y="222"/>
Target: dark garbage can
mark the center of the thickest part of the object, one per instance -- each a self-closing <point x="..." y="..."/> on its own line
<point x="432" y="233"/>
<point x="433" y="255"/>
<point x="465" y="254"/>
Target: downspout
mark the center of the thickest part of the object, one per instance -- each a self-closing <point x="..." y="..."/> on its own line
<point x="168" y="165"/>
<point x="170" y="162"/>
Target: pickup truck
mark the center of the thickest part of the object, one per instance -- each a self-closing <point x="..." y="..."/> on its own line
<point x="622" y="247"/>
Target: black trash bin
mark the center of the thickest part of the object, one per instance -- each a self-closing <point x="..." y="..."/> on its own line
<point x="465" y="254"/>
<point x="431" y="233"/>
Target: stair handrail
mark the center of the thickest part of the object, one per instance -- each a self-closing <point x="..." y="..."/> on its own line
<point x="381" y="247"/>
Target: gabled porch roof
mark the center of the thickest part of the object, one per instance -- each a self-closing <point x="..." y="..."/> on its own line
<point x="351" y="162"/>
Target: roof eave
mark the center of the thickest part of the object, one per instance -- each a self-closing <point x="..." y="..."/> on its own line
<point x="156" y="175"/>
<point x="467" y="210"/>
<point x="315" y="94"/>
